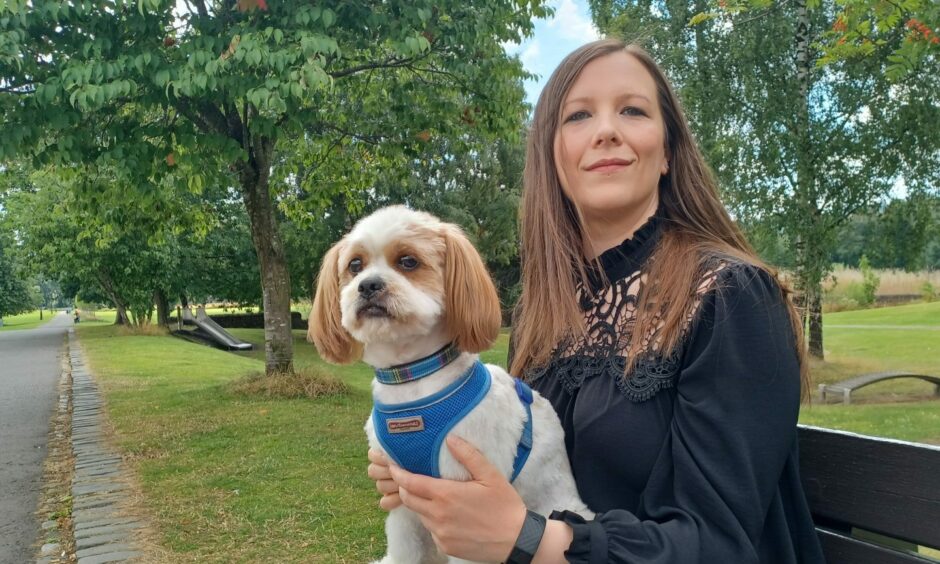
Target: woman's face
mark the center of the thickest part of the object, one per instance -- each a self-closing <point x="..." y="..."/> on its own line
<point x="610" y="145"/>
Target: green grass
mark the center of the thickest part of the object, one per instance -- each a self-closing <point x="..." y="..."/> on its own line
<point x="26" y="320"/>
<point x="912" y="314"/>
<point x="904" y="409"/>
<point x="235" y="479"/>
<point x="229" y="479"/>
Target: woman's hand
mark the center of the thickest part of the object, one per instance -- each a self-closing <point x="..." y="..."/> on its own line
<point x="475" y="520"/>
<point x="378" y="471"/>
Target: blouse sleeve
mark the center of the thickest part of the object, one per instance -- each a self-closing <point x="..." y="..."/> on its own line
<point x="734" y="424"/>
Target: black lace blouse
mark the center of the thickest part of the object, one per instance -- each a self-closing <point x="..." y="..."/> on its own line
<point x="692" y="457"/>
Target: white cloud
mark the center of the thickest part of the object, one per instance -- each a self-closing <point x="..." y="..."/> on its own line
<point x="573" y="23"/>
<point x="530" y="55"/>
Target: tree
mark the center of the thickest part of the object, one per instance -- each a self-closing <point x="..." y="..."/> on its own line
<point x="118" y="251"/>
<point x="14" y="294"/>
<point x="862" y="28"/>
<point x="897" y="235"/>
<point x="798" y="147"/>
<point x="215" y="92"/>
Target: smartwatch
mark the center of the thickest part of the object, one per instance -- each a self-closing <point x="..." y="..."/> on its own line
<point x="527" y="544"/>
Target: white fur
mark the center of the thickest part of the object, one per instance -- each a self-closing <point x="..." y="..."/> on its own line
<point x="494" y="426"/>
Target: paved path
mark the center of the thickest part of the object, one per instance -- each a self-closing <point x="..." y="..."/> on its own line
<point x="29" y="375"/>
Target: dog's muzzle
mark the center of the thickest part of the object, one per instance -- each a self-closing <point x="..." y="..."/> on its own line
<point x="372" y="293"/>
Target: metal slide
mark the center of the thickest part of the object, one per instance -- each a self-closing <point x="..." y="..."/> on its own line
<point x="214" y="330"/>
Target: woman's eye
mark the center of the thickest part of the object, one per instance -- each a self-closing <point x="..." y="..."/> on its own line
<point x="408" y="262"/>
<point x="355" y="266"/>
<point x="633" y="111"/>
<point x="577" y="116"/>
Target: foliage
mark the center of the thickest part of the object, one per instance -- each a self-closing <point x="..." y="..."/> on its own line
<point x="928" y="292"/>
<point x="14" y="291"/>
<point x="870" y="282"/>
<point x="898" y="235"/>
<point x="861" y="28"/>
<point x="14" y="294"/>
<point x="214" y="93"/>
<point x="112" y="253"/>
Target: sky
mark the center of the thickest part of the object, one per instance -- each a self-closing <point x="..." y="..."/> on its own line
<point x="569" y="28"/>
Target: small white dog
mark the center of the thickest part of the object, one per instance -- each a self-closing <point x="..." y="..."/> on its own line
<point x="411" y="296"/>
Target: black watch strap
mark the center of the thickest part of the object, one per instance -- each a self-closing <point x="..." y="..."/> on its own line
<point x="527" y="544"/>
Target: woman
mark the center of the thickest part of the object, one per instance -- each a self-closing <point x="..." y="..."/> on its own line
<point x="675" y="363"/>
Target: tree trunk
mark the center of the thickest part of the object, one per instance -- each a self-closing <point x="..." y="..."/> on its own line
<point x="810" y="265"/>
<point x="815" y="324"/>
<point x="163" y="308"/>
<point x="266" y="236"/>
<point x="104" y="279"/>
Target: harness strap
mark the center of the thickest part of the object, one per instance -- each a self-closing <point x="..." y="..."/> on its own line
<point x="525" y="443"/>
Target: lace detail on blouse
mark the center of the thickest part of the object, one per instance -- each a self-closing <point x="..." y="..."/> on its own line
<point x="610" y="317"/>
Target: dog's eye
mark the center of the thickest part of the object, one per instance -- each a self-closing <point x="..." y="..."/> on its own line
<point x="355" y="265"/>
<point x="408" y="262"/>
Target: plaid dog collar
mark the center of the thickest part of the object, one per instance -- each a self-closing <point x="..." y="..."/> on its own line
<point x="418" y="369"/>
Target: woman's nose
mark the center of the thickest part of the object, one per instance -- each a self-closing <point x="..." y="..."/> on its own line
<point x="607" y="131"/>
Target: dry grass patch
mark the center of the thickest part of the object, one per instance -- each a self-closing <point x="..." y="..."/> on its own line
<point x="146" y="330"/>
<point x="308" y="382"/>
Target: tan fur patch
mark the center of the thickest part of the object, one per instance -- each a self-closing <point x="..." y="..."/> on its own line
<point x="427" y="249"/>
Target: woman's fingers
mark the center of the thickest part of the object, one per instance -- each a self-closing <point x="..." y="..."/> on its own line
<point x="378" y="472"/>
<point x="377" y="457"/>
<point x="386" y="487"/>
<point x="390" y="501"/>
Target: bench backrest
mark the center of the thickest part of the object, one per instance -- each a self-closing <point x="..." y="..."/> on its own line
<point x="858" y="485"/>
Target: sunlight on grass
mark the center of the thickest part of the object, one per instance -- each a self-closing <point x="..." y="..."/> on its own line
<point x="26" y="320"/>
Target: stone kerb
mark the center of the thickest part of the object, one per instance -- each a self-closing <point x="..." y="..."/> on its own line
<point x="104" y="529"/>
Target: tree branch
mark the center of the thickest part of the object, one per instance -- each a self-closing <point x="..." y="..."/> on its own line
<point x="388" y="63"/>
<point x="201" y="8"/>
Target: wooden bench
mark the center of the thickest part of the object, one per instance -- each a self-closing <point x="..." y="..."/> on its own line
<point x="873" y="500"/>
<point x="846" y="387"/>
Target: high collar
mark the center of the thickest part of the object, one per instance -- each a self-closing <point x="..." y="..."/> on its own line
<point x="629" y="256"/>
<point x="411" y="371"/>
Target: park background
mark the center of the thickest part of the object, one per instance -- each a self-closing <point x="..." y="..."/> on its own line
<point x="210" y="152"/>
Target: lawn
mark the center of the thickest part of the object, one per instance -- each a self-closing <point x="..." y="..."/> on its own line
<point x="229" y="478"/>
<point x="26" y="320"/>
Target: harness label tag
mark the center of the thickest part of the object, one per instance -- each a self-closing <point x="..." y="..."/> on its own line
<point x="405" y="424"/>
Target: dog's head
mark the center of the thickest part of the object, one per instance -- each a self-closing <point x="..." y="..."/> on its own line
<point x="397" y="276"/>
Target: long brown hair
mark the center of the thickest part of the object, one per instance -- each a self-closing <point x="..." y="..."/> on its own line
<point x="697" y="229"/>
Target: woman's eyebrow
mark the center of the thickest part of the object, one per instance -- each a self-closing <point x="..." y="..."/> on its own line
<point x="584" y="99"/>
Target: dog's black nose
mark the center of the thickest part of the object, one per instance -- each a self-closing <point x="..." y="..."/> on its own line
<point x="371" y="286"/>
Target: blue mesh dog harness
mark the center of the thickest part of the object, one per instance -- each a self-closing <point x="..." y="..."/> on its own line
<point x="412" y="433"/>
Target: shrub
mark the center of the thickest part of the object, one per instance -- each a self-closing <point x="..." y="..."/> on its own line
<point x="870" y="282"/>
<point x="928" y="292"/>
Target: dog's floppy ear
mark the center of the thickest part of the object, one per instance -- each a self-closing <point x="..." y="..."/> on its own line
<point x="470" y="301"/>
<point x="325" y="328"/>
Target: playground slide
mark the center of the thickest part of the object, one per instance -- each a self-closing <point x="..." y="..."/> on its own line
<point x="214" y="330"/>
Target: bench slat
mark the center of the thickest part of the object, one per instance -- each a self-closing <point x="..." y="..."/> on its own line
<point x="844" y="550"/>
<point x="889" y="487"/>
